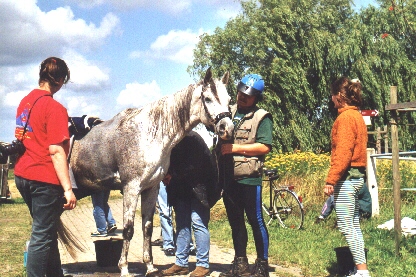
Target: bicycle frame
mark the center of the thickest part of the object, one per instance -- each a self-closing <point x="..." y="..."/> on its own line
<point x="284" y="203"/>
<point x="272" y="189"/>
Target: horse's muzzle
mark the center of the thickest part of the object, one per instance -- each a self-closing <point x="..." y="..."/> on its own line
<point x="221" y="116"/>
<point x="225" y="128"/>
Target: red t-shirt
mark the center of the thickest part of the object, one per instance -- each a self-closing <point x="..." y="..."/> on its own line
<point x="48" y="124"/>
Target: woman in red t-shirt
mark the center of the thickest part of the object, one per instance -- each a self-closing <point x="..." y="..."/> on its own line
<point x="41" y="173"/>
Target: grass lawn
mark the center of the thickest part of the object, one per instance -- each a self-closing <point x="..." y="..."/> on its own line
<point x="312" y="248"/>
<point x="15" y="227"/>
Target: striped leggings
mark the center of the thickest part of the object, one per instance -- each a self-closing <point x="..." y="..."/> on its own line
<point x="346" y="208"/>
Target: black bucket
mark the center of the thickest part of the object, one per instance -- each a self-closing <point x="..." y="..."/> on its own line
<point x="344" y="259"/>
<point x="108" y="252"/>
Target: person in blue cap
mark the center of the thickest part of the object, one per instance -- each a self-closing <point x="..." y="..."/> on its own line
<point x="240" y="169"/>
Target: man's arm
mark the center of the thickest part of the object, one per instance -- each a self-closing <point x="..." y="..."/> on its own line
<point x="252" y="149"/>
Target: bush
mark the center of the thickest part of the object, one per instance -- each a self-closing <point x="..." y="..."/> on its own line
<point x="384" y="175"/>
<point x="305" y="170"/>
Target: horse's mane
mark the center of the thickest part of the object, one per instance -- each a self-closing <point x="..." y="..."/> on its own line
<point x="179" y="107"/>
<point x="179" y="110"/>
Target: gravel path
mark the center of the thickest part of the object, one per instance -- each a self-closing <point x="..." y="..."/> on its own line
<point x="81" y="222"/>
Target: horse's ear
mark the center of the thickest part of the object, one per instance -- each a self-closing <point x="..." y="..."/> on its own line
<point x="208" y="76"/>
<point x="225" y="78"/>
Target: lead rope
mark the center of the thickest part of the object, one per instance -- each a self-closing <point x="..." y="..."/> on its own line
<point x="218" y="168"/>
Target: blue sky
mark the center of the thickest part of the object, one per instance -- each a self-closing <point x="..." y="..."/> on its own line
<point x="121" y="53"/>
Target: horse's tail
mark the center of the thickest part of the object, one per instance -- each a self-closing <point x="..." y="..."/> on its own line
<point x="69" y="240"/>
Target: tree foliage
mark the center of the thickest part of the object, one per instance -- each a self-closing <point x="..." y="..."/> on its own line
<point x="301" y="46"/>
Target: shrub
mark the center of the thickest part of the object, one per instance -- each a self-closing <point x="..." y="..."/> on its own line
<point x="384" y="175"/>
<point x="305" y="170"/>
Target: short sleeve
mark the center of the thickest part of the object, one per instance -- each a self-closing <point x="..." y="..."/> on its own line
<point x="57" y="124"/>
<point x="265" y="131"/>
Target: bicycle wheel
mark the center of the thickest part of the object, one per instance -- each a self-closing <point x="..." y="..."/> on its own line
<point x="288" y="209"/>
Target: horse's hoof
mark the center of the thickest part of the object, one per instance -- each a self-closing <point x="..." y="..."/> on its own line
<point x="156" y="273"/>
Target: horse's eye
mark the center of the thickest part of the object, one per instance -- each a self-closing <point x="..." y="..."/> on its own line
<point x="207" y="100"/>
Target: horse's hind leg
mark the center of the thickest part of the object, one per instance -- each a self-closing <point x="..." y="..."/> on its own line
<point x="130" y="198"/>
<point x="148" y="203"/>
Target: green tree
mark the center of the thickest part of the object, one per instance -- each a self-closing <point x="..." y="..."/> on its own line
<point x="389" y="58"/>
<point x="300" y="47"/>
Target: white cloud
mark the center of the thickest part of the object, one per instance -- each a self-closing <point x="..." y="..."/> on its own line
<point x="12" y="99"/>
<point x="80" y="105"/>
<point x="168" y="6"/>
<point x="28" y="33"/>
<point x="85" y="75"/>
<point x="19" y="77"/>
<point x="138" y="95"/>
<point x="86" y="4"/>
<point x="82" y="95"/>
<point x="32" y="30"/>
<point x="226" y="8"/>
<point x="176" y="46"/>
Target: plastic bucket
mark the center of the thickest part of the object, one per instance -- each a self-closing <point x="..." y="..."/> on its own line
<point x="344" y="259"/>
<point x="108" y="252"/>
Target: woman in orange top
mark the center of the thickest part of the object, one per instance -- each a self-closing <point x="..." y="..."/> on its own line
<point x="348" y="164"/>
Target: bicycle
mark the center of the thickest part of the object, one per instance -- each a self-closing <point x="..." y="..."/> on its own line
<point x="285" y="205"/>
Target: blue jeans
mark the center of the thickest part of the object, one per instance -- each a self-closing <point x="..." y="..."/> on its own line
<point x="328" y="206"/>
<point x="191" y="213"/>
<point x="45" y="203"/>
<point x="102" y="212"/>
<point x="165" y="215"/>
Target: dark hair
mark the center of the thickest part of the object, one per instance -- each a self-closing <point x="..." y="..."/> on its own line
<point x="52" y="70"/>
<point x="349" y="90"/>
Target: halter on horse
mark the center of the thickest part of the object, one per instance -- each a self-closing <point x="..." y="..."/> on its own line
<point x="137" y="143"/>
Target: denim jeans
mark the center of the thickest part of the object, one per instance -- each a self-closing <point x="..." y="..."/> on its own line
<point x="165" y="215"/>
<point x="191" y="213"/>
<point x="102" y="212"/>
<point x="328" y="206"/>
<point x="45" y="204"/>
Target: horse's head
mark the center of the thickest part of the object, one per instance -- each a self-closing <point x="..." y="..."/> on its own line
<point x="215" y="100"/>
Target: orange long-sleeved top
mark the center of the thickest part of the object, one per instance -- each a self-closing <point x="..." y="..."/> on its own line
<point x="348" y="143"/>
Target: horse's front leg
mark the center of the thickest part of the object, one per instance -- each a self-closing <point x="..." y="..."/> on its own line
<point x="130" y="199"/>
<point x="148" y="199"/>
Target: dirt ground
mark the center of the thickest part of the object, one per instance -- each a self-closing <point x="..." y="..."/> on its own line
<point x="81" y="222"/>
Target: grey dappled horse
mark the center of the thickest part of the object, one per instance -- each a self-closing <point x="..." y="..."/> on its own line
<point x="137" y="144"/>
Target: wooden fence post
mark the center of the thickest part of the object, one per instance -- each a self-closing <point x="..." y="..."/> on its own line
<point x="378" y="141"/>
<point x="372" y="182"/>
<point x="396" y="173"/>
<point x="386" y="140"/>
